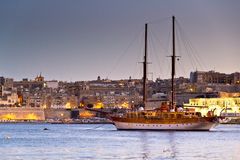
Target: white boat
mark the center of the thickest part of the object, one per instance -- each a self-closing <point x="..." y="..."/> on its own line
<point x="230" y="118"/>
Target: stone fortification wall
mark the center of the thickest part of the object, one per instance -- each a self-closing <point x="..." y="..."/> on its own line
<point x="57" y="114"/>
<point x="21" y="114"/>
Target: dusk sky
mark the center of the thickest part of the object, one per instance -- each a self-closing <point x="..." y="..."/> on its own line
<point x="75" y="40"/>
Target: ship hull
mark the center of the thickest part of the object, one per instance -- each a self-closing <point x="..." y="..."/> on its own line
<point x="197" y="126"/>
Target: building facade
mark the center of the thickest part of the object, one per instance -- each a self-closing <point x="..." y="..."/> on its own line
<point x="212" y="77"/>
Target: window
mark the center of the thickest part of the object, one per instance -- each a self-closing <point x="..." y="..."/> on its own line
<point x="179" y="115"/>
<point x="172" y="116"/>
<point x="165" y="116"/>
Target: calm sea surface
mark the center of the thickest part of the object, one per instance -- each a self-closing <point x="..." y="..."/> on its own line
<point x="103" y="141"/>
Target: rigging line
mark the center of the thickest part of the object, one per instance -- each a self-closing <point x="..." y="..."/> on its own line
<point x="153" y="49"/>
<point x="189" y="50"/>
<point x="165" y="51"/>
<point x="178" y="44"/>
<point x="179" y="38"/>
<point x="124" y="52"/>
<point x="181" y="66"/>
<point x="140" y="57"/>
<point x="180" y="51"/>
<point x="169" y="46"/>
<point x="190" y="55"/>
<point x="165" y="65"/>
<point x="151" y="33"/>
<point x="197" y="55"/>
<point x="185" y="43"/>
<point x="138" y="70"/>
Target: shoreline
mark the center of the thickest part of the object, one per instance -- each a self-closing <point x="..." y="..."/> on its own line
<point x="82" y="121"/>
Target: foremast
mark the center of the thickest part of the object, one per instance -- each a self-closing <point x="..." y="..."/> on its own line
<point x="173" y="57"/>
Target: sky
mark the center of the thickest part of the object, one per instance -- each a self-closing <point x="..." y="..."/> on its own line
<point x="74" y="40"/>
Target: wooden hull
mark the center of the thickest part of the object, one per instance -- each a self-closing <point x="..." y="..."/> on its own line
<point x="167" y="127"/>
<point x="189" y="125"/>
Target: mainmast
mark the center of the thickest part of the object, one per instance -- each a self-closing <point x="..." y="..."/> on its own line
<point x="173" y="62"/>
<point x="145" y="69"/>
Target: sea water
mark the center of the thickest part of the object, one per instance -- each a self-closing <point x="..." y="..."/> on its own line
<point x="103" y="141"/>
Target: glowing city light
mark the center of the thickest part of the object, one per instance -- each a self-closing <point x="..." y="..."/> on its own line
<point x="31" y="116"/>
<point x="98" y="105"/>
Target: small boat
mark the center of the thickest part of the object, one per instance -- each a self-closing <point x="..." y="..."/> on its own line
<point x="167" y="118"/>
<point x="230" y="118"/>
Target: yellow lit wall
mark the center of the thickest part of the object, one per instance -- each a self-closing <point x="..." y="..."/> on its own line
<point x="86" y="114"/>
<point x="203" y="105"/>
<point x="98" y="105"/>
<point x="125" y="105"/>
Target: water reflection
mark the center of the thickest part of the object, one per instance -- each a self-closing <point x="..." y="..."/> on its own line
<point x="105" y="142"/>
<point x="157" y="145"/>
<point x="144" y="145"/>
<point x="172" y="144"/>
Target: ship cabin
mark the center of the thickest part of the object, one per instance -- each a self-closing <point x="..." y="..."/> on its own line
<point x="163" y="115"/>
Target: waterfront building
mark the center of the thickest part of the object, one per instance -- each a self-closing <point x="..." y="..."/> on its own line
<point x="212" y="77"/>
<point x="8" y="93"/>
<point x="183" y="97"/>
<point x="218" y="105"/>
<point x="9" y="100"/>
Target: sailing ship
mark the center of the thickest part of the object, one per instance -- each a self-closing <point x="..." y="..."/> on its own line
<point x="165" y="118"/>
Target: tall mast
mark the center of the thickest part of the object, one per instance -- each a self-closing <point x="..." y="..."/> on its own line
<point x="173" y="62"/>
<point x="145" y="69"/>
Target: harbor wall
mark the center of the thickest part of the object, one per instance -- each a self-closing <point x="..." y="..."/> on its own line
<point x="21" y="114"/>
<point x="38" y="114"/>
<point x="57" y="114"/>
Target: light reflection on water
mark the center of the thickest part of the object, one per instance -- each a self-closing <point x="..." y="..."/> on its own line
<point x="75" y="142"/>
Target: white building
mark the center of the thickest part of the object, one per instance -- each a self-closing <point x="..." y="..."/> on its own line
<point x="9" y="100"/>
<point x="52" y="84"/>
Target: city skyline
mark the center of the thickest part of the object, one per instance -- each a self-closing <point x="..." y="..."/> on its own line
<point x="80" y="40"/>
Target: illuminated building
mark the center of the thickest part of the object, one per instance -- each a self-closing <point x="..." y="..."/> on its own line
<point x="9" y="100"/>
<point x="214" y="77"/>
<point x="39" y="78"/>
<point x="98" y="105"/>
<point x="219" y="105"/>
<point x="21" y="114"/>
<point x="86" y="114"/>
